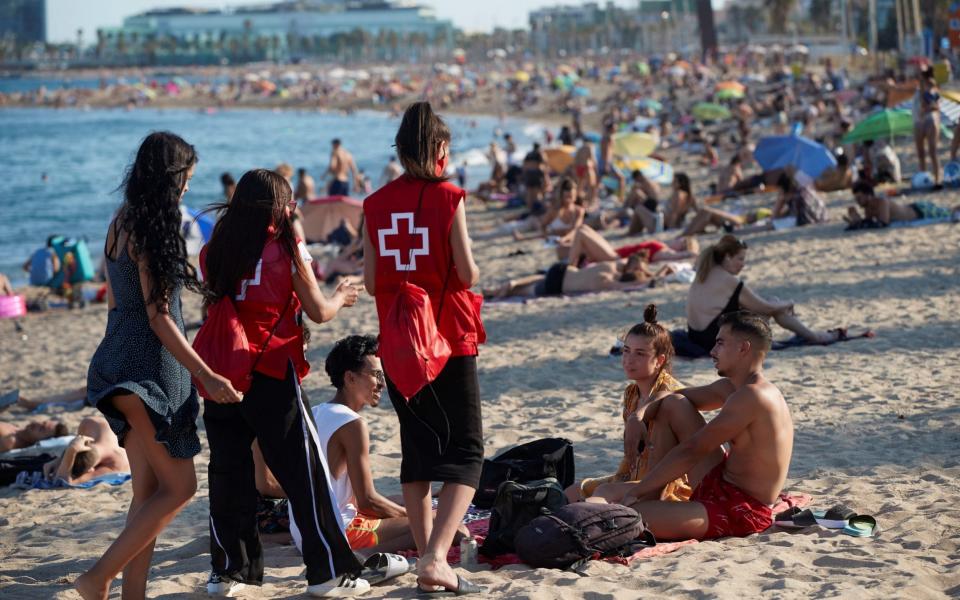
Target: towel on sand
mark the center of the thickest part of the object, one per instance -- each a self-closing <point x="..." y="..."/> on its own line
<point x="479" y="524"/>
<point x="35" y="480"/>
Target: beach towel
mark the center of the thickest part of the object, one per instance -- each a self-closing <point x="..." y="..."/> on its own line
<point x="687" y="349"/>
<point x="478" y="523"/>
<point x="35" y="480"/>
<point x="799" y="341"/>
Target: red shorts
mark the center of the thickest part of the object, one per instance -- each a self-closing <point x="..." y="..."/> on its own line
<point x="362" y="532"/>
<point x="730" y="510"/>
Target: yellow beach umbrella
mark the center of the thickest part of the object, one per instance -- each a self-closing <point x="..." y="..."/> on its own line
<point x="521" y="76"/>
<point x="633" y="143"/>
<point x="559" y="158"/>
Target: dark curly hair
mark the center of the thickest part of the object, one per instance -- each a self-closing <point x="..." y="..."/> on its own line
<point x="150" y="215"/>
<point x="348" y="355"/>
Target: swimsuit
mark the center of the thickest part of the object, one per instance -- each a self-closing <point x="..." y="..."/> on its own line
<point x="653" y="247"/>
<point x="708" y="337"/>
<point x="552" y="283"/>
<point x="928" y="210"/>
<point x="730" y="510"/>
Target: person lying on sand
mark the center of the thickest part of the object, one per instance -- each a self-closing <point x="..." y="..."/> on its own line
<point x="13" y="437"/>
<point x="94" y="452"/>
<point x="5" y="288"/>
<point x="880" y="211"/>
<point x="733" y="491"/>
<point x="646" y="360"/>
<point x="562" y="278"/>
<point x="588" y="246"/>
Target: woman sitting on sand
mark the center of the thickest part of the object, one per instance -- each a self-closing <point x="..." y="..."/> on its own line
<point x="584" y="169"/>
<point x="647" y="352"/>
<point x="560" y="221"/>
<point x="94" y="452"/>
<point x="718" y="290"/>
<point x="562" y="278"/>
<point x="588" y="246"/>
<point x="681" y="202"/>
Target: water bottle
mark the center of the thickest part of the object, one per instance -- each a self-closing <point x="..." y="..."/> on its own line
<point x="468" y="552"/>
<point x="659" y="225"/>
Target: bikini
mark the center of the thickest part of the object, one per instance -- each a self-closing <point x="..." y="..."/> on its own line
<point x="708" y="337"/>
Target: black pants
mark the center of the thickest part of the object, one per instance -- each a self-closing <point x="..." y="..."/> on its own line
<point x="273" y="412"/>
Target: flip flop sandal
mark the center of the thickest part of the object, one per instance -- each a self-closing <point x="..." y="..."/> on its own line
<point x="464" y="587"/>
<point x="382" y="566"/>
<point x="795" y="518"/>
<point x="836" y="518"/>
<point x="862" y="526"/>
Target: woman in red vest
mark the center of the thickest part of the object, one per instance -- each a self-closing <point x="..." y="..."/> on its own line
<point x="255" y="261"/>
<point x="416" y="231"/>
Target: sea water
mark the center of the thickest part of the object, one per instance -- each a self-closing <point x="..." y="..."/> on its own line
<point x="60" y="169"/>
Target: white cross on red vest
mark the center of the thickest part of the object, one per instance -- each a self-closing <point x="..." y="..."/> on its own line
<point x="404" y="241"/>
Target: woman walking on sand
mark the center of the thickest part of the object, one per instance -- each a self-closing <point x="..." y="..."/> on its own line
<point x="139" y="377"/>
<point x="255" y="263"/>
<point x="416" y="231"/>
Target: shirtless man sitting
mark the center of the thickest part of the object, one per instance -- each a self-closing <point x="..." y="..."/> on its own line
<point x="94" y="452"/>
<point x="733" y="491"/>
<point x="13" y="437"/>
<point x="373" y="522"/>
<point x="881" y="210"/>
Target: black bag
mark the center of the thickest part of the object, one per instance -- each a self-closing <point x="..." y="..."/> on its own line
<point x="580" y="530"/>
<point x="517" y="504"/>
<point x="539" y="459"/>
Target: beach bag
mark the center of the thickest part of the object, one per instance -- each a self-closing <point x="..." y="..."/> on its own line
<point x="539" y="459"/>
<point x="41" y="267"/>
<point x="412" y="349"/>
<point x="222" y="344"/>
<point x="580" y="531"/>
<point x="516" y="505"/>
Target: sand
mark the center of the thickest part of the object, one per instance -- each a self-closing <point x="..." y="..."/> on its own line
<point x="877" y="426"/>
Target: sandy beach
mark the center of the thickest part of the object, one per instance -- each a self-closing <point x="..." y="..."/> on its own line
<point x="877" y="423"/>
<point x="876" y="428"/>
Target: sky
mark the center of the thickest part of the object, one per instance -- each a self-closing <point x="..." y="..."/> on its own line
<point x="64" y="17"/>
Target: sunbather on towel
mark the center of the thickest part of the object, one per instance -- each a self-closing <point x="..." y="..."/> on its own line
<point x="880" y="211"/>
<point x="13" y="437"/>
<point x="94" y="452"/>
<point x="733" y="492"/>
<point x="562" y="278"/>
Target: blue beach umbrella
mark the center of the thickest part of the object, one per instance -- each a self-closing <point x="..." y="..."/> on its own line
<point x="803" y="154"/>
<point x="205" y="221"/>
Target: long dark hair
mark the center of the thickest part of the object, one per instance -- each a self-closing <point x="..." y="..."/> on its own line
<point x="683" y="183"/>
<point x="150" y="215"/>
<point x="420" y="134"/>
<point x="260" y="200"/>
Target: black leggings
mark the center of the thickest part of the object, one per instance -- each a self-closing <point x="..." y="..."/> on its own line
<point x="273" y="412"/>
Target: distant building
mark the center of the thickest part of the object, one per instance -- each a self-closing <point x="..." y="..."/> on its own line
<point x="23" y="20"/>
<point x="279" y="31"/>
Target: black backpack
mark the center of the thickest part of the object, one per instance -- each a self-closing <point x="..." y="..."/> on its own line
<point x="539" y="459"/>
<point x="516" y="505"/>
<point x="578" y="531"/>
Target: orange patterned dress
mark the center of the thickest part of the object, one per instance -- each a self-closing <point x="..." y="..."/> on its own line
<point x="677" y="490"/>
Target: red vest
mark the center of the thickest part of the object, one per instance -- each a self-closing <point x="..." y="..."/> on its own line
<point x="417" y="246"/>
<point x="259" y="300"/>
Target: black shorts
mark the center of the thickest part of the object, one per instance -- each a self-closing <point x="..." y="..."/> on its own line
<point x="552" y="284"/>
<point x="338" y="188"/>
<point x="441" y="432"/>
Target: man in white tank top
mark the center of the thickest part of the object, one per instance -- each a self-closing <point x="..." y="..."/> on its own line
<point x="373" y="523"/>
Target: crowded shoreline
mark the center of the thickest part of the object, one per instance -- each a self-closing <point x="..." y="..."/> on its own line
<point x="866" y="420"/>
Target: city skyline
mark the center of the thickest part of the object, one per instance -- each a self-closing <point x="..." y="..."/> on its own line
<point x="65" y="17"/>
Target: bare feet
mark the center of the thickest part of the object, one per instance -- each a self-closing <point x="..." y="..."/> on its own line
<point x="90" y="589"/>
<point x="433" y="573"/>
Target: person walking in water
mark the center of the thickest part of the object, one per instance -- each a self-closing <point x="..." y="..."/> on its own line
<point x="255" y="262"/>
<point x="416" y="231"/>
<point x="139" y="377"/>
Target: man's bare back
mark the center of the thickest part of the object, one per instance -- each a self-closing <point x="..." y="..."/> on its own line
<point x="341" y="164"/>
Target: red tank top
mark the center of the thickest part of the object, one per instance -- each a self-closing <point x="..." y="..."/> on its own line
<point x="417" y="245"/>
<point x="259" y="300"/>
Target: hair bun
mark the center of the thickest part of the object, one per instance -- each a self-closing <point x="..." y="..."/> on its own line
<point x="650" y="314"/>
